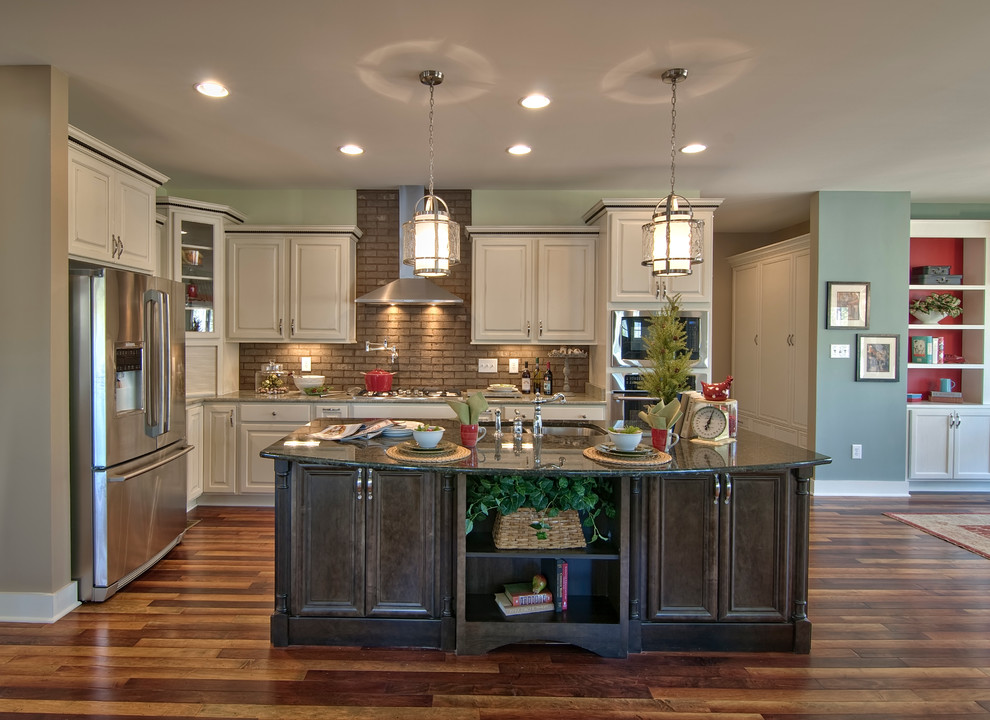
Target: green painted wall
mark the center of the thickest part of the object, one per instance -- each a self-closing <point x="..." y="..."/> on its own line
<point x="861" y="236"/>
<point x="280" y="207"/>
<point x="548" y="207"/>
<point x="950" y="211"/>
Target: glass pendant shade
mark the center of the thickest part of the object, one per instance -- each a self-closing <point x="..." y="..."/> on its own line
<point x="431" y="240"/>
<point x="674" y="241"/>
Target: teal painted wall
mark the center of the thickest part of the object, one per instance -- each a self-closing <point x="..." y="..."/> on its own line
<point x="280" y="207"/>
<point x="861" y="236"/>
<point x="950" y="211"/>
<point x="548" y="207"/>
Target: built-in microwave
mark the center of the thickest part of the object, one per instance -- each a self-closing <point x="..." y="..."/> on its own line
<point x="629" y="334"/>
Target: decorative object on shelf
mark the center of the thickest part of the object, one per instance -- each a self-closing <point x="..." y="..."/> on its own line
<point x="431" y="240"/>
<point x="848" y="305"/>
<point x="666" y="348"/>
<point x="543" y="499"/>
<point x="568" y="354"/>
<point x="876" y="357"/>
<point x="717" y="391"/>
<point x="673" y="241"/>
<point x="936" y="307"/>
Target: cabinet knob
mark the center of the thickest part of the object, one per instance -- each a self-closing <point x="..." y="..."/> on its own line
<point x="274" y="414"/>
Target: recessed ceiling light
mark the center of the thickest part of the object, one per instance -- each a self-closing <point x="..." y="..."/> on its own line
<point x="694" y="148"/>
<point x="351" y="149"/>
<point x="519" y="150"/>
<point x="211" y="88"/>
<point x="535" y="101"/>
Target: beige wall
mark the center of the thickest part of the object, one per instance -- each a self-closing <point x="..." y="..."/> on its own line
<point x="34" y="438"/>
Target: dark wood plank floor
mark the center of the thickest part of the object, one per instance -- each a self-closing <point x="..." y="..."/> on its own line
<point x="901" y="631"/>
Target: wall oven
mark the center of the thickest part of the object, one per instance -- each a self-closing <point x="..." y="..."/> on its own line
<point x="627" y="399"/>
<point x="629" y="332"/>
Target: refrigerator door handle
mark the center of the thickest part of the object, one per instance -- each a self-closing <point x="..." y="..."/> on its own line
<point x="166" y="362"/>
<point x="155" y="384"/>
<point x="184" y="450"/>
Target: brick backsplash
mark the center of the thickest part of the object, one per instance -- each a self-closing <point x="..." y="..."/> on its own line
<point x="433" y="343"/>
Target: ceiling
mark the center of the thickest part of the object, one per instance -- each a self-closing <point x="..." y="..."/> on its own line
<point x="790" y="96"/>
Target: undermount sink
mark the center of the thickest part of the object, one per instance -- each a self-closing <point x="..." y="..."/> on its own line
<point x="575" y="430"/>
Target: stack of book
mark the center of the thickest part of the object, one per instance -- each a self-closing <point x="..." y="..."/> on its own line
<point x="519" y="598"/>
<point x="927" y="349"/>
<point x="945" y="396"/>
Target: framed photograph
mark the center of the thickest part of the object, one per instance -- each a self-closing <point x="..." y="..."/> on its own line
<point x="876" y="357"/>
<point x="848" y="305"/>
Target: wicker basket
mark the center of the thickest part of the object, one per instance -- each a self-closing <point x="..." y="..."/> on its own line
<point x="514" y="531"/>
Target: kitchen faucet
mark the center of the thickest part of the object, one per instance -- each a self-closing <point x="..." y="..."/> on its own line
<point x="383" y="345"/>
<point x="538" y="402"/>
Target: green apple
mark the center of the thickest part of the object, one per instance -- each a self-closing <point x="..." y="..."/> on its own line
<point x="539" y="582"/>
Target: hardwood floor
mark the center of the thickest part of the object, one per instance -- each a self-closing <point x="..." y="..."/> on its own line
<point x="901" y="624"/>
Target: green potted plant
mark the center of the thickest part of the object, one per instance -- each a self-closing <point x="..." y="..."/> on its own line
<point x="547" y="496"/>
<point x="667" y="351"/>
<point x="936" y="307"/>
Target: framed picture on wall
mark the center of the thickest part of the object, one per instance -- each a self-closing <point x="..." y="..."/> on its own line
<point x="848" y="305"/>
<point x="876" y="357"/>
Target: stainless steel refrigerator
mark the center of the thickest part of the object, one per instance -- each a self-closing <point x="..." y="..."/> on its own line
<point x="127" y="434"/>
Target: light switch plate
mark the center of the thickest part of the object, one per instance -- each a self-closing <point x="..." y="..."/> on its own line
<point x="840" y="351"/>
<point x="488" y="365"/>
<point x="307" y="364"/>
<point x="513" y="365"/>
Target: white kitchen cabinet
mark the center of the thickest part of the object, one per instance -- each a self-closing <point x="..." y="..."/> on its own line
<point x="629" y="281"/>
<point x="336" y="412"/>
<point x="402" y="410"/>
<point x="533" y="285"/>
<point x="219" y="449"/>
<point x="262" y="424"/>
<point x="291" y="284"/>
<point x="111" y="206"/>
<point x="949" y="443"/>
<point x="770" y="329"/>
<point x="552" y="411"/>
<point x="194" y="460"/>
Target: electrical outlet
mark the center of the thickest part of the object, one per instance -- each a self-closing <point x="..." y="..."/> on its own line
<point x="840" y="351"/>
<point x="488" y="365"/>
<point x="307" y="364"/>
<point x="857" y="452"/>
<point x="513" y="365"/>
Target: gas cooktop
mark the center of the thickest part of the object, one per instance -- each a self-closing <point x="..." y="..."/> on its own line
<point x="411" y="394"/>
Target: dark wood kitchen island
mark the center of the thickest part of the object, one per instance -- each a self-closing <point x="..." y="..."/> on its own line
<point x="706" y="553"/>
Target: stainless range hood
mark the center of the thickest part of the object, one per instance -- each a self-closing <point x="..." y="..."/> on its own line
<point x="409" y="289"/>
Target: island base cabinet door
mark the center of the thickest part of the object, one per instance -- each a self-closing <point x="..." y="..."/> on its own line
<point x="682" y="554"/>
<point x="400" y="516"/>
<point x="754" y="549"/>
<point x="328" y="543"/>
<point x="364" y="544"/>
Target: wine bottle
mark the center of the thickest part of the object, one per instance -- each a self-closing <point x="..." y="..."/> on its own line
<point x="538" y="377"/>
<point x="548" y="381"/>
<point x="527" y="381"/>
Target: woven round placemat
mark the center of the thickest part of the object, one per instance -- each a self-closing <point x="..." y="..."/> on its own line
<point x="396" y="452"/>
<point x="657" y="458"/>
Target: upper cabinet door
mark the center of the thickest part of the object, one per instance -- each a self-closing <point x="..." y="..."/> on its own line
<point x="135" y="202"/>
<point x="90" y="202"/>
<point x="321" y="290"/>
<point x="566" y="290"/>
<point x="255" y="300"/>
<point x="502" y="290"/>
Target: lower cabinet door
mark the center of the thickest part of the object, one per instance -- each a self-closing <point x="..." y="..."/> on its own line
<point x="400" y="517"/>
<point x="754" y="549"/>
<point x="363" y="543"/>
<point x="972" y="445"/>
<point x="682" y="554"/>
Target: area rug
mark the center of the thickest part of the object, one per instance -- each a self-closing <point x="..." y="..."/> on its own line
<point x="970" y="531"/>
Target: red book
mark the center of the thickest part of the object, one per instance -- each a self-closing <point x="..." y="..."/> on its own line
<point x="563" y="584"/>
<point x="522" y="594"/>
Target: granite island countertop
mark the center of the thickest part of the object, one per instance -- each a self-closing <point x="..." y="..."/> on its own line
<point x="551" y="454"/>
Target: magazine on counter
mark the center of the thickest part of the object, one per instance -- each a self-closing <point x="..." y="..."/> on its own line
<point x="354" y="431"/>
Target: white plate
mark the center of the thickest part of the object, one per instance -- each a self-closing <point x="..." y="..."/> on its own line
<point x="395" y="432"/>
<point x="502" y="388"/>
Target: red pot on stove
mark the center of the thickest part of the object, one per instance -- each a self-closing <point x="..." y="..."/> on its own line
<point x="378" y="380"/>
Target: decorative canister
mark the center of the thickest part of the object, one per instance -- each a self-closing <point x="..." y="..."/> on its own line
<point x="271" y="380"/>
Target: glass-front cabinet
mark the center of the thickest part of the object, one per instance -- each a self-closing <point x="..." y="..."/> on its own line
<point x="197" y="269"/>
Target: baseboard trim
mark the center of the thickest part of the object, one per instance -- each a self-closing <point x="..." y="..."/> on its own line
<point x="861" y="488"/>
<point x="259" y="500"/>
<point x="39" y="607"/>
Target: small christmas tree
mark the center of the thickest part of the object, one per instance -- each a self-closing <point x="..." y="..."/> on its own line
<point x="666" y="348"/>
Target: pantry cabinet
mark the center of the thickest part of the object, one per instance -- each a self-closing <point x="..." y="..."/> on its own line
<point x="629" y="281"/>
<point x="949" y="443"/>
<point x="770" y="329"/>
<point x="219" y="449"/>
<point x="533" y="285"/>
<point x="111" y="206"/>
<point x="291" y="283"/>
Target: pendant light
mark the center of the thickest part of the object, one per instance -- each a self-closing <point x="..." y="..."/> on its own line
<point x="431" y="240"/>
<point x="673" y="242"/>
